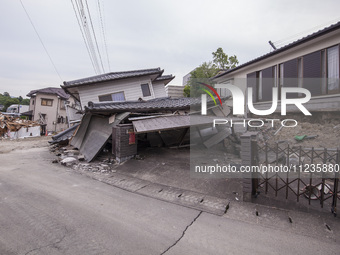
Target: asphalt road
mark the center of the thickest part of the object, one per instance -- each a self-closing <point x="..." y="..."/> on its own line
<point x="46" y="208"/>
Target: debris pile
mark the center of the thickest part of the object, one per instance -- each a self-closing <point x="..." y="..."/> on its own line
<point x="14" y="127"/>
<point x="305" y="134"/>
<point x="69" y="156"/>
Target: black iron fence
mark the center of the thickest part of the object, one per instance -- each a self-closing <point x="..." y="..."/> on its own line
<point x="296" y="172"/>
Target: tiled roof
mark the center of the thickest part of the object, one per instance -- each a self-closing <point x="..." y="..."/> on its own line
<point x="165" y="77"/>
<point x="53" y="91"/>
<point x="284" y="48"/>
<point x="63" y="136"/>
<point x="144" y="106"/>
<point x="112" y="76"/>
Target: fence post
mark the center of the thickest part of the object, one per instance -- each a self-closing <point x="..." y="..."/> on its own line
<point x="248" y="149"/>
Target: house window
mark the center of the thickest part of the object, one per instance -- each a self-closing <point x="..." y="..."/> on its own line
<point x="281" y="76"/>
<point x="145" y="90"/>
<point x="323" y="72"/>
<point x="115" y="97"/>
<point x="32" y="102"/>
<point x="46" y="102"/>
<point x="300" y="75"/>
<point x="333" y="69"/>
<point x="259" y="86"/>
<point x="275" y="76"/>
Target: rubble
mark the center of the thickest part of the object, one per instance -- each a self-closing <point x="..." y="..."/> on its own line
<point x="322" y="135"/>
<point x="14" y="127"/>
<point x="70" y="157"/>
<point x="69" y="161"/>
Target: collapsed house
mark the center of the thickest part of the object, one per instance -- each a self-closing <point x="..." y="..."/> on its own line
<point x="129" y="109"/>
<point x="157" y="122"/>
<point x="14" y="127"/>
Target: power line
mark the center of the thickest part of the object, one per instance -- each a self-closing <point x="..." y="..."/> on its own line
<point x="300" y="34"/>
<point x="103" y="33"/>
<point x="94" y="35"/>
<point x="82" y="33"/>
<point x="83" y="16"/>
<point x="49" y="56"/>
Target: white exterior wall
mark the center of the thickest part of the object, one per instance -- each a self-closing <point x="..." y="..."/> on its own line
<point x="319" y="103"/>
<point x="159" y="89"/>
<point x="52" y="112"/>
<point x="319" y="43"/>
<point x="175" y="91"/>
<point x="131" y="88"/>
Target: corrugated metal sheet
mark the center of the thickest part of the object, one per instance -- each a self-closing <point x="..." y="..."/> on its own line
<point x="170" y="122"/>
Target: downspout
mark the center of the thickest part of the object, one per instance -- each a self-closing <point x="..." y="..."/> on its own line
<point x="56" y="117"/>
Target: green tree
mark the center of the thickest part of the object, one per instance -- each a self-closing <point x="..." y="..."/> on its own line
<point x="223" y="61"/>
<point x="6" y="94"/>
<point x="200" y="74"/>
<point x="25" y="101"/>
<point x="9" y="102"/>
<point x="207" y="70"/>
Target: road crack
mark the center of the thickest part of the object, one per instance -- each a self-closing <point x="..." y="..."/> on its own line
<point x="183" y="233"/>
<point x="48" y="245"/>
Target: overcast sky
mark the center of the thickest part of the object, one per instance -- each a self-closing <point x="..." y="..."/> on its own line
<point x="176" y="35"/>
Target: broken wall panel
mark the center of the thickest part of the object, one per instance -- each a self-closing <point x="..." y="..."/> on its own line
<point x="80" y="134"/>
<point x="94" y="133"/>
<point x="97" y="134"/>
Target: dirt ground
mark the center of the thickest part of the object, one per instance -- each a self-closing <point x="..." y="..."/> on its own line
<point x="328" y="135"/>
<point x="7" y="145"/>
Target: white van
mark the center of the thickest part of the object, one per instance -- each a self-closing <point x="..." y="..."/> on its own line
<point x="17" y="108"/>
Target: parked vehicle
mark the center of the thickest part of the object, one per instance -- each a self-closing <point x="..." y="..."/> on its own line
<point x="17" y="108"/>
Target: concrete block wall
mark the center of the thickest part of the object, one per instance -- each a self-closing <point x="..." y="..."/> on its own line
<point x="247" y="158"/>
<point x="121" y="148"/>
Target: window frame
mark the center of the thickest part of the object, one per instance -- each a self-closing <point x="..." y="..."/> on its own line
<point x="46" y="100"/>
<point x="336" y="91"/>
<point x="146" y="85"/>
<point x="110" y="95"/>
<point x="259" y="86"/>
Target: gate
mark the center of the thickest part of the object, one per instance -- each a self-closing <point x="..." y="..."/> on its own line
<point x="306" y="174"/>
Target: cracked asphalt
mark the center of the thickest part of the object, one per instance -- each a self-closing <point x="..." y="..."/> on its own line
<point x="49" y="209"/>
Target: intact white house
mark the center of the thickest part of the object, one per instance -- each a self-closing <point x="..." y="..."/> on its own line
<point x="311" y="63"/>
<point x="49" y="105"/>
<point x="143" y="84"/>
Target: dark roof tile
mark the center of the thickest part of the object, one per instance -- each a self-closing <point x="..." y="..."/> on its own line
<point x="144" y="106"/>
<point x="53" y="91"/>
<point x="112" y="76"/>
